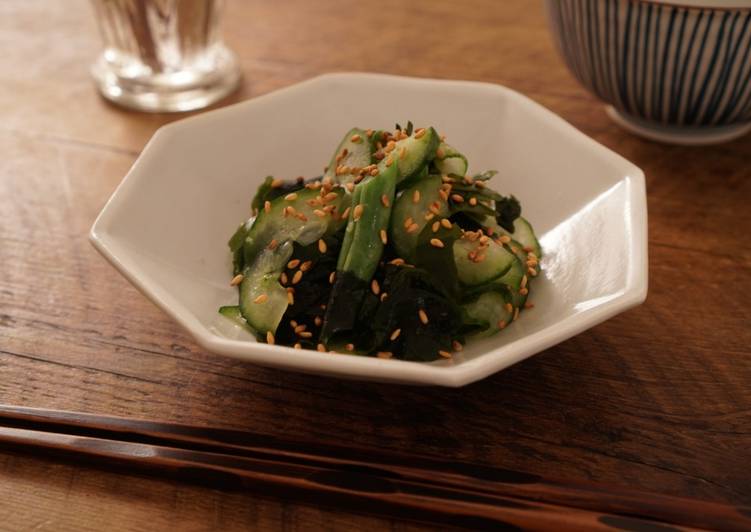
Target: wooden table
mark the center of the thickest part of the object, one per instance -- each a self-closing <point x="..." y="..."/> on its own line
<point x="658" y="398"/>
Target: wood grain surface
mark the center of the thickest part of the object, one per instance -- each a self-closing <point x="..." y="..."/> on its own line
<point x="658" y="398"/>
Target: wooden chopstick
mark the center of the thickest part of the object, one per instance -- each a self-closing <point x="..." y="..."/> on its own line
<point x="404" y="486"/>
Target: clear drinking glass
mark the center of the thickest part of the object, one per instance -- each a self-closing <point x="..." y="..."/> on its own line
<point x="163" y="55"/>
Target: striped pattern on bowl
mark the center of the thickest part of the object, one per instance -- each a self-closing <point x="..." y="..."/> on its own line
<point x="681" y="66"/>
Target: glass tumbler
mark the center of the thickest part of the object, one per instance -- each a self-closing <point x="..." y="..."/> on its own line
<point x="163" y="55"/>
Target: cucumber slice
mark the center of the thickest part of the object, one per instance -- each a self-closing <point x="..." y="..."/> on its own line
<point x="411" y="154"/>
<point x="451" y="162"/>
<point x="263" y="300"/>
<point x="492" y="308"/>
<point x="498" y="260"/>
<point x="359" y="154"/>
<point x="525" y="235"/>
<point x="233" y="314"/>
<point x="305" y="229"/>
<point x="405" y="209"/>
<point x="362" y="245"/>
<point x="269" y="244"/>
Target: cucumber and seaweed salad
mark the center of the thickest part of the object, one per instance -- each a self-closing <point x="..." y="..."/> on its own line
<point x="396" y="251"/>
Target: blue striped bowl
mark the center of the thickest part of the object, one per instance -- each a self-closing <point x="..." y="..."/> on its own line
<point x="673" y="71"/>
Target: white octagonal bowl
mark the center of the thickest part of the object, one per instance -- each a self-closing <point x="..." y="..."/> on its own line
<point x="166" y="226"/>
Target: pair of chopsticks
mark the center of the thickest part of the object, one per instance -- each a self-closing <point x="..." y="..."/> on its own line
<point x="376" y="482"/>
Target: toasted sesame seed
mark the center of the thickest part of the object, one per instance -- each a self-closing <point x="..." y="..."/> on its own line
<point x="294" y="263"/>
<point x="298" y="346"/>
<point x="331" y="196"/>
<point x="532" y="272"/>
<point x="416" y="196"/>
<point x="384" y="237"/>
<point x="300" y="216"/>
<point x="321" y="348"/>
<point x="350" y="347"/>
<point x="319" y="213"/>
<point x="412" y="228"/>
<point x="237" y="279"/>
<point x="374" y="172"/>
<point x="322" y="247"/>
<point x="516" y="314"/>
<point x="473" y="201"/>
<point x="297" y="277"/>
<point x="385" y="200"/>
<point x="385" y="354"/>
<point x="524" y="291"/>
<point x="305" y="334"/>
<point x="350" y="186"/>
<point x="484" y="240"/>
<point x="269" y="337"/>
<point x="435" y="209"/>
<point x="423" y="316"/>
<point x="505" y="239"/>
<point x="384" y="296"/>
<point x="435" y="242"/>
<point x="446" y="179"/>
<point x="509" y="307"/>
<point x="283" y="278"/>
<point x="479" y="184"/>
<point x="369" y="132"/>
<point x="523" y="282"/>
<point x="457" y="198"/>
<point x="480" y="257"/>
<point x="446" y="223"/>
<point x="429" y="216"/>
<point x="273" y="244"/>
<point x="389" y="161"/>
<point x="261" y="299"/>
<point x="292" y="196"/>
<point x="457" y="345"/>
<point x="290" y="296"/>
<point x="305" y="266"/>
<point x="444" y="195"/>
<point x="345" y="214"/>
<point x="267" y="206"/>
<point x="300" y="328"/>
<point x="440" y="153"/>
<point x="375" y="287"/>
<point x="355" y="138"/>
<point x="395" y="334"/>
<point x="318" y="321"/>
<point x="408" y="221"/>
<point x="397" y="262"/>
<point x="276" y="183"/>
<point x="436" y="226"/>
<point x="528" y="249"/>
<point x="419" y="133"/>
<point x="502" y="324"/>
<point x="444" y="354"/>
<point x="357" y="214"/>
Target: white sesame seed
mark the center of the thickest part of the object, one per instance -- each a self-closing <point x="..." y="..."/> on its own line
<point x="395" y="334"/>
<point x="237" y="279"/>
<point x="322" y="247"/>
<point x="297" y="277"/>
<point x="261" y="299"/>
<point x="423" y="316"/>
<point x="435" y="242"/>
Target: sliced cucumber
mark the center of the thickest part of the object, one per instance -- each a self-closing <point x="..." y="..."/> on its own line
<point x="268" y="246"/>
<point x="498" y="260"/>
<point x="525" y="235"/>
<point x="303" y="227"/>
<point x="514" y="278"/>
<point x="263" y="300"/>
<point x="492" y="308"/>
<point x="427" y="193"/>
<point x="451" y="161"/>
<point x="369" y="215"/>
<point x="233" y="314"/>
<point x="410" y="155"/>
<point x="359" y="154"/>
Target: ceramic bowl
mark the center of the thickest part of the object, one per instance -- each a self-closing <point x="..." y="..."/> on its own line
<point x="166" y="226"/>
<point x="676" y="71"/>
